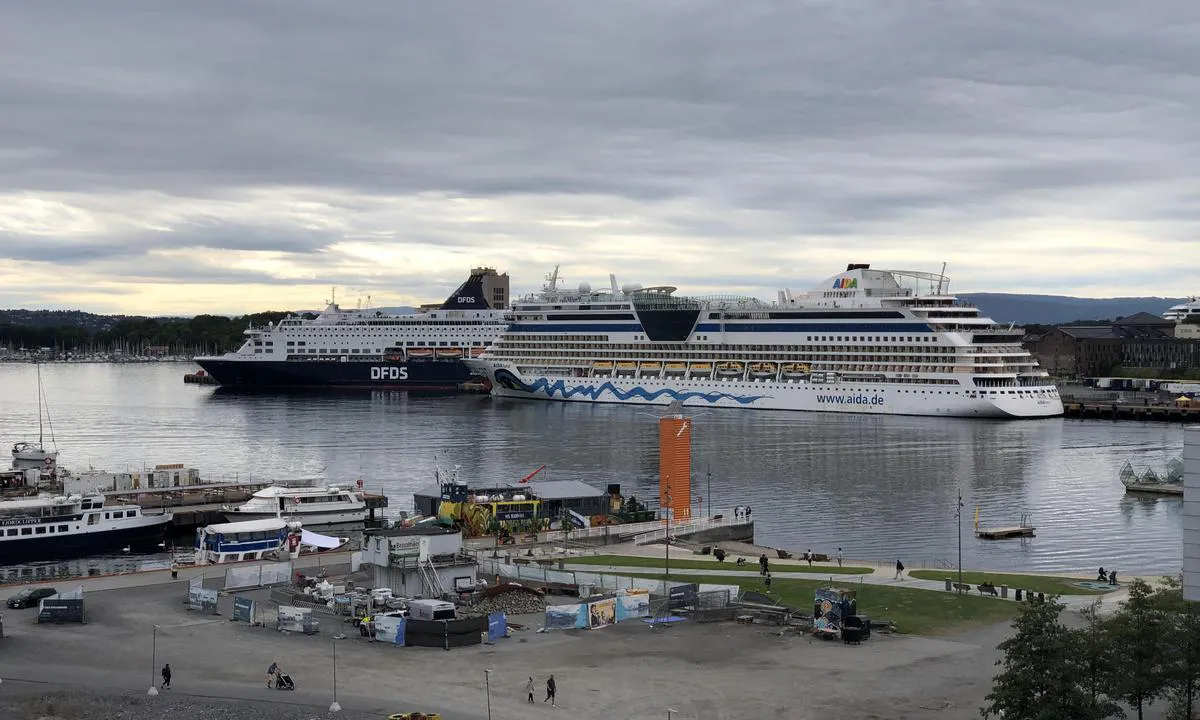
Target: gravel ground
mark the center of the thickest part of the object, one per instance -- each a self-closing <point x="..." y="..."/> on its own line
<point x="74" y="705"/>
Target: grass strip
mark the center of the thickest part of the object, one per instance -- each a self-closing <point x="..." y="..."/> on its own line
<point x="685" y="563"/>
<point x="1048" y="584"/>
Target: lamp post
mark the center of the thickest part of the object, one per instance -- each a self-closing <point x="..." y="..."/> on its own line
<point x="334" y="706"/>
<point x="708" y="488"/>
<point x="958" y="515"/>
<point x="153" y="660"/>
<point x="669" y="711"/>
<point x="667" y="545"/>
<point x="487" y="684"/>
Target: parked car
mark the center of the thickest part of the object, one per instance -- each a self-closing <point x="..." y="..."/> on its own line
<point x="29" y="597"/>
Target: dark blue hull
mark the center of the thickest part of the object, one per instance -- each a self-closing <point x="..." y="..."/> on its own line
<point x="412" y="374"/>
<point x="146" y="539"/>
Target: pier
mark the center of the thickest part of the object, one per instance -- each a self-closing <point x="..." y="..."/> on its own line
<point x="1124" y="411"/>
<point x="1003" y="533"/>
<point x="1155" y="489"/>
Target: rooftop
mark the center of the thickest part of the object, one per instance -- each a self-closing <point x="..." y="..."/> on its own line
<point x="543" y="490"/>
<point x="414" y="530"/>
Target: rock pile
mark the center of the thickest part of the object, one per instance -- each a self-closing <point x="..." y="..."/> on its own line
<point x="510" y="603"/>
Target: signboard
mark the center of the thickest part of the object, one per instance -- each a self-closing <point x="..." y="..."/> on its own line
<point x="390" y="629"/>
<point x="406" y="546"/>
<point x="511" y="515"/>
<point x="202" y="600"/>
<point x="602" y="613"/>
<point x="243" y="610"/>
<point x="682" y="596"/>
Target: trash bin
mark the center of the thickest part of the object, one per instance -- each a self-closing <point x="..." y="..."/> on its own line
<point x="1003" y="591"/>
<point x="1017" y="594"/>
<point x="948" y="585"/>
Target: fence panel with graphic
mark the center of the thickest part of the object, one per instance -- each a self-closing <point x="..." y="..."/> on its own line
<point x="239" y="578"/>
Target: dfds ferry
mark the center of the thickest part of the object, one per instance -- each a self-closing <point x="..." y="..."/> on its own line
<point x="356" y="347"/>
<point x="865" y="341"/>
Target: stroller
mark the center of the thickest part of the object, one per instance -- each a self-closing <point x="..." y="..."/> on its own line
<point x="283" y="681"/>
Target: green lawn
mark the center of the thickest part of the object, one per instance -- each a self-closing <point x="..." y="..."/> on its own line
<point x="1038" y="583"/>
<point x="685" y="562"/>
<point x="916" y="612"/>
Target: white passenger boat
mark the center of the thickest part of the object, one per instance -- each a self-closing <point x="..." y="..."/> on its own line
<point x="311" y="505"/>
<point x="67" y="527"/>
<point x="269" y="539"/>
<point x="869" y="341"/>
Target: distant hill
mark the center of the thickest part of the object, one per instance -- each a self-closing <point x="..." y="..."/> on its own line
<point x="63" y="318"/>
<point x="1059" y="309"/>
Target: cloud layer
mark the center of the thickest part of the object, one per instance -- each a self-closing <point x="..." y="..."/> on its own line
<point x="232" y="156"/>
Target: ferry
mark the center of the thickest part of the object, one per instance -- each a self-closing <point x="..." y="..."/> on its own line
<point x="311" y="505"/>
<point x="880" y="342"/>
<point x="362" y="347"/>
<point x="67" y="527"/>
<point x="258" y="540"/>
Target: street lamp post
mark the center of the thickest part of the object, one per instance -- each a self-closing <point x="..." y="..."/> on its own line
<point x="334" y="706"/>
<point x="153" y="660"/>
<point x="487" y="684"/>
<point x="667" y="545"/>
<point x="669" y="711"/>
<point x="958" y="514"/>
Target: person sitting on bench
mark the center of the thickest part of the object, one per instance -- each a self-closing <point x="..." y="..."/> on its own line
<point x="1102" y="576"/>
<point x="1112" y="578"/>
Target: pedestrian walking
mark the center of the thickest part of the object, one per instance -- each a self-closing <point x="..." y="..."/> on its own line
<point x="899" y="570"/>
<point x="768" y="582"/>
<point x="808" y="555"/>
<point x="529" y="689"/>
<point x="839" y="557"/>
<point x="551" y="689"/>
<point x="762" y="564"/>
<point x="271" y="673"/>
<point x="166" y="675"/>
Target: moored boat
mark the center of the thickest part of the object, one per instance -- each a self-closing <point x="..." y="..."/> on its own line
<point x="65" y="527"/>
<point x="311" y="505"/>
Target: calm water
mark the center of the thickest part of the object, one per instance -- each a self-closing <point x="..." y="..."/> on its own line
<point x="879" y="487"/>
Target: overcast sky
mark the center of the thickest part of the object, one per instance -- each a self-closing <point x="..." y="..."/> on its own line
<point x="233" y="156"/>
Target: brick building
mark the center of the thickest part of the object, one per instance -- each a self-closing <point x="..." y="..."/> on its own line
<point x="1142" y="340"/>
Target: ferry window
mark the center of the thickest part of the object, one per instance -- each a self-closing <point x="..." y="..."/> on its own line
<point x="131" y="513"/>
<point x="118" y="515"/>
<point x="11" y="532"/>
<point x="26" y="531"/>
<point x="62" y="528"/>
<point x="106" y="516"/>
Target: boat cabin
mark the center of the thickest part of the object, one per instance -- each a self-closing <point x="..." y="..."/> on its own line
<point x="238" y="541"/>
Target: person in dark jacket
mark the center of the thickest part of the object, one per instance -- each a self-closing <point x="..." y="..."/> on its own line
<point x="551" y="689"/>
<point x="166" y="675"/>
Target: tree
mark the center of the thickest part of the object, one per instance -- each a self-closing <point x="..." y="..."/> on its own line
<point x="1098" y="661"/>
<point x="1138" y="631"/>
<point x="1182" y="641"/>
<point x="1040" y="679"/>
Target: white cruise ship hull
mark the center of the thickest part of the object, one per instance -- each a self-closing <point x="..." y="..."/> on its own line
<point x="859" y="398"/>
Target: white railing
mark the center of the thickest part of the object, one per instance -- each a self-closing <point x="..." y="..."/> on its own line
<point x="688" y="527"/>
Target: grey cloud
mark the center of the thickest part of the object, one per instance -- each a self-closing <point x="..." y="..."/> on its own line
<point x="830" y="120"/>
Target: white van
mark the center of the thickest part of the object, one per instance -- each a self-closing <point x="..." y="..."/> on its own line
<point x="430" y="610"/>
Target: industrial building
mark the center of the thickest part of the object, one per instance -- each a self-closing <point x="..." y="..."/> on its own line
<point x="556" y="496"/>
<point x="419" y="561"/>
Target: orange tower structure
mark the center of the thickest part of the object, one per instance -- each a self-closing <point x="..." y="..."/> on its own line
<point x="675" y="465"/>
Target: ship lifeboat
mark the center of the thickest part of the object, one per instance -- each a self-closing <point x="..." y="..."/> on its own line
<point x="651" y="368"/>
<point x="704" y="369"/>
<point x="477" y="351"/>
<point x="763" y="369"/>
<point x="394" y="357"/>
<point x="676" y="368"/>
<point x="730" y="368"/>
<point x="794" y="369"/>
<point x="602" y="367"/>
<point x="626" y="367"/>
<point x="420" y="352"/>
<point x="449" y="353"/>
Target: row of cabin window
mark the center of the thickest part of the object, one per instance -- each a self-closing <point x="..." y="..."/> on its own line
<point x="38" y="530"/>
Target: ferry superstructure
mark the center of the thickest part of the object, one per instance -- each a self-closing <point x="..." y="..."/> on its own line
<point x="865" y="341"/>
<point x="59" y="527"/>
<point x="356" y="347"/>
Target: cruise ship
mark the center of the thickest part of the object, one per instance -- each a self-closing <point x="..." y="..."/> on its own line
<point x="865" y="341"/>
<point x="355" y="347"/>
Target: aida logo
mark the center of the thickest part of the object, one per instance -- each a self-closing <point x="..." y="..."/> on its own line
<point x="845" y="283"/>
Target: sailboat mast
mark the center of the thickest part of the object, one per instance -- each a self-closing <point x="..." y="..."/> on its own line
<point x="39" y="379"/>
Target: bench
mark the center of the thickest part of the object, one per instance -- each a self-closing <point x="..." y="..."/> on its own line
<point x="783" y="554"/>
<point x="962" y="587"/>
<point x="988" y="588"/>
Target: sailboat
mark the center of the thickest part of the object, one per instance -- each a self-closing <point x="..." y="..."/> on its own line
<point x="35" y="455"/>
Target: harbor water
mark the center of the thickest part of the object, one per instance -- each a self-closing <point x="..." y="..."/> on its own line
<point x="879" y="487"/>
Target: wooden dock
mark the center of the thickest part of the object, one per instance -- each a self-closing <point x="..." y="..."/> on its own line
<point x="1003" y="533"/>
<point x="1155" y="489"/>
<point x="1124" y="411"/>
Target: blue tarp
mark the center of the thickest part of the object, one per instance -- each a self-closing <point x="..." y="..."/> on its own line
<point x="497" y="626"/>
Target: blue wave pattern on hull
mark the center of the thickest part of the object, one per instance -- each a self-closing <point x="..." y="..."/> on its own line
<point x="594" y="392"/>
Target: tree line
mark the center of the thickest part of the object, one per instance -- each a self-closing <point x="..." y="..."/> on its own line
<point x="201" y="334"/>
<point x="1146" y="651"/>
